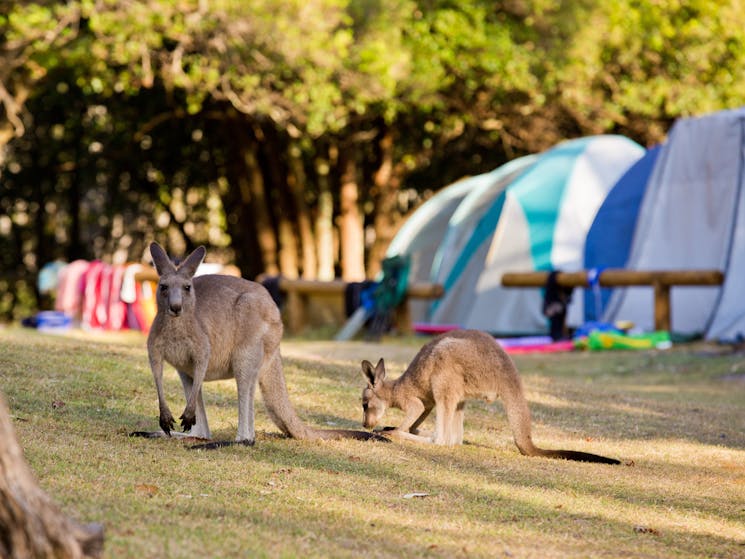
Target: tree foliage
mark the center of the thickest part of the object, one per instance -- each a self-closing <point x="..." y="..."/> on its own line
<point x="240" y="124"/>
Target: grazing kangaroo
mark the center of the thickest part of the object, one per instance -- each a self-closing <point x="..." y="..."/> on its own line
<point x="451" y="368"/>
<point x="215" y="327"/>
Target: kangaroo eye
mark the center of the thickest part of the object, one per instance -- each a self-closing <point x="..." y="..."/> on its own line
<point x="163" y="288"/>
<point x="187" y="288"/>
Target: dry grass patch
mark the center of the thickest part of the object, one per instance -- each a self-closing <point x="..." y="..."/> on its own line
<point x="677" y="419"/>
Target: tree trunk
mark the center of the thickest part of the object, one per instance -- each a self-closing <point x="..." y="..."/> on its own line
<point x="240" y="225"/>
<point x="279" y="199"/>
<point x="31" y="525"/>
<point x="235" y="196"/>
<point x="350" y="220"/>
<point x="325" y="222"/>
<point x="288" y="264"/>
<point x="76" y="248"/>
<point x="252" y="188"/>
<point x="296" y="181"/>
<point x="386" y="219"/>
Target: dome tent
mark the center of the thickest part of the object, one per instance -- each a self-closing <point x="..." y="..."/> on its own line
<point x="693" y="217"/>
<point x="537" y="221"/>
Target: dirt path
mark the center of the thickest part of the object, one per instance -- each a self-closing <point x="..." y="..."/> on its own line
<point x="348" y="352"/>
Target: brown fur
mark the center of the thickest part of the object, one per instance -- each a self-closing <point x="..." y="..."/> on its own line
<point x="447" y="371"/>
<point x="215" y="327"/>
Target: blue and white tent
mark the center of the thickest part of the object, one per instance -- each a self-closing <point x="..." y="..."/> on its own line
<point x="534" y="216"/>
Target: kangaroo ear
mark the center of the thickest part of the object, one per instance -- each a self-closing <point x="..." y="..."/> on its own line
<point x="163" y="264"/>
<point x="368" y="372"/>
<point x="373" y="375"/>
<point x="192" y="262"/>
<point x="380" y="370"/>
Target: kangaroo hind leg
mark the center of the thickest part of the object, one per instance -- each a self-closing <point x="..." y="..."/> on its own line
<point x="446" y="430"/>
<point x="246" y="366"/>
<point x="458" y="418"/>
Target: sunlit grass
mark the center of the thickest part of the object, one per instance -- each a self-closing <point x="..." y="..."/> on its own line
<point x="676" y="419"/>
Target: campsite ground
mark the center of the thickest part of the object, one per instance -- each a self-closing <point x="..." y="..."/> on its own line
<point x="675" y="418"/>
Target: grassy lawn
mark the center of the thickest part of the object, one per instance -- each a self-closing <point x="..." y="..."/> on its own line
<point x="676" y="419"/>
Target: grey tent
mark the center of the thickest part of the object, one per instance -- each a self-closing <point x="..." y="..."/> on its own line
<point x="693" y="216"/>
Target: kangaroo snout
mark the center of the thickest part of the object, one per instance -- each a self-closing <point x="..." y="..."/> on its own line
<point x="371" y="416"/>
<point x="175" y="302"/>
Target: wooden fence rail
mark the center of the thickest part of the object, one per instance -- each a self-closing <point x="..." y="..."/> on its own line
<point x="299" y="292"/>
<point x="329" y="295"/>
<point x="661" y="280"/>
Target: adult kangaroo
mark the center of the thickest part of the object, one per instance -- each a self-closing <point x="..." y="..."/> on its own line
<point x="215" y="327"/>
<point x="448" y="370"/>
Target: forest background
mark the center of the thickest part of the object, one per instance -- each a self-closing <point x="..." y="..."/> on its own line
<point x="292" y="136"/>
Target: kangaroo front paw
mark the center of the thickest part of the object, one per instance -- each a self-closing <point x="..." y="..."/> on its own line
<point x="167" y="423"/>
<point x="187" y="420"/>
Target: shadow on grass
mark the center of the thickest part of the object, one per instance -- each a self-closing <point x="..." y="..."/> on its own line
<point x="622" y="415"/>
<point x="504" y="499"/>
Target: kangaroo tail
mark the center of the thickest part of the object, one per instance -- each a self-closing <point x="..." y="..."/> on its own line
<point x="518" y="416"/>
<point x="576" y="455"/>
<point x="334" y="434"/>
<point x="283" y="414"/>
<point x="277" y="400"/>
